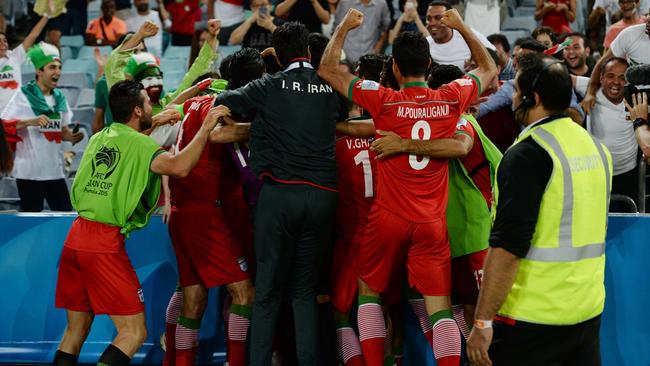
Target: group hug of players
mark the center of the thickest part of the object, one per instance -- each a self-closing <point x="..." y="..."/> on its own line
<point x="413" y="213"/>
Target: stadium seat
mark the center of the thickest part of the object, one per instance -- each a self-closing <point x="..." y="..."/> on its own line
<point x="27" y="66"/>
<point x="76" y="79"/>
<point x="173" y="65"/>
<point x="66" y="53"/>
<point x="513" y="35"/>
<point x="74" y="42"/>
<point x="9" y="199"/>
<point x="172" y="80"/>
<point x="526" y="23"/>
<point x="86" y="98"/>
<point x="182" y="52"/>
<point x="227" y="50"/>
<point x="85" y="117"/>
<point x="88" y="52"/>
<point x="71" y="94"/>
<point x="28" y="76"/>
<point x="524" y="11"/>
<point x="81" y="65"/>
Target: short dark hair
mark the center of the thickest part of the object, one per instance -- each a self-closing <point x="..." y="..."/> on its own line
<point x="370" y="66"/>
<point x="123" y="98"/>
<point x="440" y="75"/>
<point x="585" y="41"/>
<point x="500" y="39"/>
<point x="440" y="3"/>
<point x="290" y="41"/>
<point x="411" y="53"/>
<point x="532" y="44"/>
<point x="224" y="68"/>
<point x="207" y="75"/>
<point x="317" y="44"/>
<point x="545" y="30"/>
<point x="552" y="82"/>
<point x="620" y="60"/>
<point x="246" y="65"/>
<point x="387" y="78"/>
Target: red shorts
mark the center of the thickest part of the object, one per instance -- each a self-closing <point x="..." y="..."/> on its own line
<point x="466" y="276"/>
<point x="206" y="251"/>
<point x="390" y="241"/>
<point x="101" y="283"/>
<point x="344" y="275"/>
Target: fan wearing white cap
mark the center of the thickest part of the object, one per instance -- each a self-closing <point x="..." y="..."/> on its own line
<point x="42" y="117"/>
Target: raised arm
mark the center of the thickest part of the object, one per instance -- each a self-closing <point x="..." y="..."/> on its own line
<point x="542" y="8"/>
<point x="329" y="65"/>
<point x="486" y="70"/>
<point x="322" y="13"/>
<point x="181" y="164"/>
<point x="283" y="8"/>
<point x="28" y="42"/>
<point x="114" y="69"/>
<point x="639" y="109"/>
<point x="594" y="83"/>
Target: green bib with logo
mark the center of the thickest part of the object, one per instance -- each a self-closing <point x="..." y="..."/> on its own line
<point x="114" y="184"/>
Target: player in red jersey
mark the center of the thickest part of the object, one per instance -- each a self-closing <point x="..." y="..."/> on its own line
<point x="468" y="212"/>
<point x="407" y="218"/>
<point x="208" y="251"/>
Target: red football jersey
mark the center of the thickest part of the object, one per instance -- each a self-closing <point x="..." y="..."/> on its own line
<point x="414" y="187"/>
<point x="214" y="173"/>
<point x="355" y="165"/>
<point x="475" y="162"/>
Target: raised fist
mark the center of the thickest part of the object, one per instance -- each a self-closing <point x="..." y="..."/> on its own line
<point x="353" y="19"/>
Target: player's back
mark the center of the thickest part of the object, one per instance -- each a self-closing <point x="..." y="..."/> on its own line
<point x="203" y="184"/>
<point x="355" y="165"/>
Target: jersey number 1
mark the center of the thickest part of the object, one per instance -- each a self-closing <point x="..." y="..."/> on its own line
<point x="364" y="159"/>
<point x="420" y="162"/>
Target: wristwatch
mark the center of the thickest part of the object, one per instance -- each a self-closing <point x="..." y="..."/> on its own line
<point x="639" y="122"/>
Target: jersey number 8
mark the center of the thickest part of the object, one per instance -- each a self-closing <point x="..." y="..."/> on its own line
<point x="418" y="162"/>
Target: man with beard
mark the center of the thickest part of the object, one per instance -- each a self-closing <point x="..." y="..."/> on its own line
<point x="154" y="44"/>
<point x="632" y="44"/>
<point x="608" y="123"/>
<point x="575" y="56"/>
<point x="43" y="118"/>
<point x="115" y="192"/>
<point x="145" y="68"/>
<point x="543" y="280"/>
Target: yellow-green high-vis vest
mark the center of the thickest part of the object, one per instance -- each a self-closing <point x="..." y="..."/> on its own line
<point x="561" y="279"/>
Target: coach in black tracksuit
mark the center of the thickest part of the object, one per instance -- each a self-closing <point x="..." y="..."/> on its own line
<point x="292" y="150"/>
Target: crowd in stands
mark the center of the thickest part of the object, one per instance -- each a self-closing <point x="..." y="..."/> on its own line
<point x="597" y="42"/>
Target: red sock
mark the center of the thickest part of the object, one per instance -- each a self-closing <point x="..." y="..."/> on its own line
<point x="171" y="317"/>
<point x="421" y="313"/>
<point x="372" y="330"/>
<point x="239" y="321"/>
<point x="187" y="341"/>
<point x="446" y="339"/>
<point x="459" y="316"/>
<point x="186" y="357"/>
<point x="348" y="345"/>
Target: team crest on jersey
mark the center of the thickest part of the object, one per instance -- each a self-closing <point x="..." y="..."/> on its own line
<point x="243" y="265"/>
<point x="105" y="162"/>
<point x="369" y="85"/>
<point x="463" y="82"/>
<point x="141" y="295"/>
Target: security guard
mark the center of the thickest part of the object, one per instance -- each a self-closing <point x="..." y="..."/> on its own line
<point x="292" y="151"/>
<point x="543" y="281"/>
